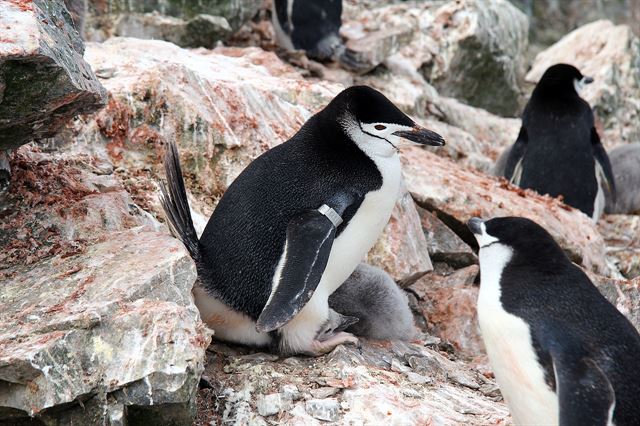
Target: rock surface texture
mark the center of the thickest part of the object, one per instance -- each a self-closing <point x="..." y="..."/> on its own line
<point x="188" y="23"/>
<point x="472" y="50"/>
<point x="98" y="324"/>
<point x="44" y="82"/>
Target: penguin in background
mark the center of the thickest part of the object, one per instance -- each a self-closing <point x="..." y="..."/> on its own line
<point x="561" y="353"/>
<point x="558" y="150"/>
<point x="382" y="308"/>
<point x="296" y="223"/>
<point x="625" y="162"/>
<point x="309" y="25"/>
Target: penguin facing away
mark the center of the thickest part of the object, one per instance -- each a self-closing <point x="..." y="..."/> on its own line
<point x="296" y="222"/>
<point x="382" y="308"/>
<point x="561" y="353"/>
<point x="558" y="150"/>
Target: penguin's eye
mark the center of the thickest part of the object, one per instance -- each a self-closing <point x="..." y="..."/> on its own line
<point x="380" y="127"/>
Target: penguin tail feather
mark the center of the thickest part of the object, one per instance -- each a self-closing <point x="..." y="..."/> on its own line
<point x="173" y="198"/>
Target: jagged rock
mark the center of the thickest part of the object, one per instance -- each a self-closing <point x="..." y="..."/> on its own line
<point x="483" y="49"/>
<point x="44" y="82"/>
<point x="444" y="245"/>
<point x="448" y="302"/>
<point x="189" y="23"/>
<point x="622" y="237"/>
<point x="113" y="326"/>
<point x="368" y="389"/>
<point x="472" y="49"/>
<point x="610" y="54"/>
<point x="457" y="194"/>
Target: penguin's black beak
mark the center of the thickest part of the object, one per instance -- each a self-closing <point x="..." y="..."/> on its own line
<point x="587" y="80"/>
<point x="421" y="135"/>
<point x="475" y="225"/>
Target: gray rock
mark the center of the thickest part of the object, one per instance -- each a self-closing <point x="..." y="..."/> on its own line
<point x="114" y="326"/>
<point x="444" y="244"/>
<point x="364" y="54"/>
<point x="190" y="23"/>
<point x="44" y="81"/>
<point x="200" y="31"/>
<point x="271" y="404"/>
<point x="483" y="44"/>
<point x="323" y="409"/>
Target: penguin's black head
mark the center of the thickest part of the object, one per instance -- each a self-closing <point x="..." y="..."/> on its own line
<point x="563" y="77"/>
<point x="374" y="123"/>
<point x="520" y="238"/>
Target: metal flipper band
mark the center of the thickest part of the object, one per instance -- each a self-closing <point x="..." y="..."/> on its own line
<point x="331" y="214"/>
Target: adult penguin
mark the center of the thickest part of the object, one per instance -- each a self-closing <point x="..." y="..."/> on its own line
<point x="558" y="150"/>
<point x="296" y="223"/>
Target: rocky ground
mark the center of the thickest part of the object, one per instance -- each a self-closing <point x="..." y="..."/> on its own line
<point x="97" y="321"/>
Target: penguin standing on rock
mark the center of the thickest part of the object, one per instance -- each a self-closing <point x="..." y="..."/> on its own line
<point x="558" y="150"/>
<point x="561" y="353"/>
<point x="296" y="222"/>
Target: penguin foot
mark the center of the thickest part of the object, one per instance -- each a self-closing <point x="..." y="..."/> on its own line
<point x="321" y="347"/>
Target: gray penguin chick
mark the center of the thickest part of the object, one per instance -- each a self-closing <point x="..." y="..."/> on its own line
<point x="371" y="295"/>
<point x="625" y="163"/>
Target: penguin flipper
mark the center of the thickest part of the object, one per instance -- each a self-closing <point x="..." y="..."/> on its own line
<point x="585" y="394"/>
<point x="309" y="240"/>
<point x="513" y="168"/>
<point x="603" y="165"/>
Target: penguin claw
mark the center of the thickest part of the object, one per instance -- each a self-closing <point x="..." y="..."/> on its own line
<point x="321" y="347"/>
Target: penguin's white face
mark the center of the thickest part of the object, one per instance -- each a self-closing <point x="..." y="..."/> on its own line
<point x="579" y="84"/>
<point x="378" y="139"/>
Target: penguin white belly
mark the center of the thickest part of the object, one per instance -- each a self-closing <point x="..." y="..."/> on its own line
<point x="507" y="339"/>
<point x="227" y="324"/>
<point x="599" y="202"/>
<point x="347" y="252"/>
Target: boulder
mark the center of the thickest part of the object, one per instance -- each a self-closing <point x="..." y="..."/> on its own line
<point x="472" y="50"/>
<point x="190" y="23"/>
<point x="481" y="59"/>
<point x="623" y="294"/>
<point x="610" y="54"/>
<point x="97" y="319"/>
<point x="44" y="82"/>
<point x="377" y="383"/>
<point x="458" y="194"/>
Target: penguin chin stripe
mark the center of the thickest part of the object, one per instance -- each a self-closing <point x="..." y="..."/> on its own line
<point x="330" y="214"/>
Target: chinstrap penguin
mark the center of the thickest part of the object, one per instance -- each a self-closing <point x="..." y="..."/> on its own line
<point x="561" y="353"/>
<point x="625" y="162"/>
<point x="296" y="222"/>
<point x="558" y="150"/>
<point x="382" y="308"/>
